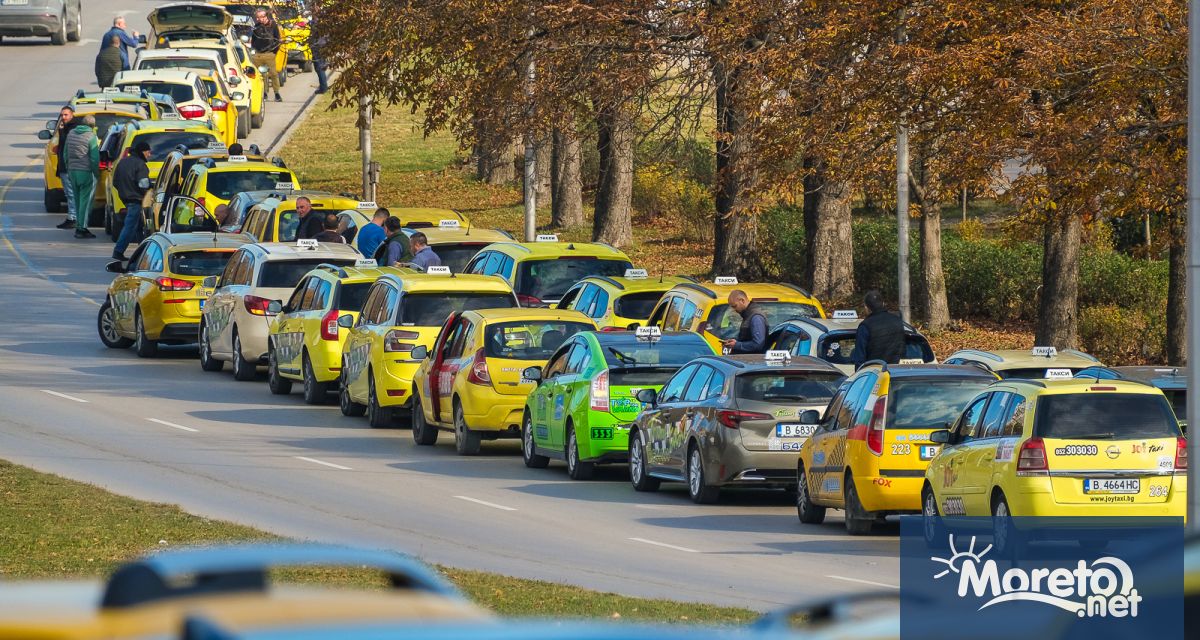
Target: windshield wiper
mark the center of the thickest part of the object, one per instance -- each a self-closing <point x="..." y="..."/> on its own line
<point x="1092" y="436"/>
<point x="625" y="359"/>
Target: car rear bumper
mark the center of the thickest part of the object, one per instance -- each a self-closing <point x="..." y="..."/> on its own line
<point x="396" y="381"/>
<point x="887" y="493"/>
<point x="1033" y="497"/>
<point x="594" y="447"/>
<point x="738" y="466"/>
<point x="182" y="332"/>
<point x="32" y="23"/>
<point x="493" y="412"/>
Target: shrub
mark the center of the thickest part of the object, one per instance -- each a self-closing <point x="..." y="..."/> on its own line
<point x="971" y="229"/>
<point x="661" y="193"/>
<point x="1117" y="335"/>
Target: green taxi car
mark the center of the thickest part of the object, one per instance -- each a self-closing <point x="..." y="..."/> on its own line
<point x="585" y="399"/>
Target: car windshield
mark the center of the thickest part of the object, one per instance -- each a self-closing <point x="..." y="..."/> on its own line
<point x="352" y="296"/>
<point x="1105" y="416"/>
<point x="837" y="347"/>
<point x="226" y="184"/>
<point x="624" y="350"/>
<point x="284" y="274"/>
<point x="164" y="142"/>
<point x="724" y="322"/>
<point x="205" y="262"/>
<point x="431" y="309"/>
<point x="457" y="255"/>
<point x="788" y="386"/>
<point x="637" y="306"/>
<point x="207" y="66"/>
<point x="930" y="403"/>
<point x="550" y="279"/>
<point x="179" y="92"/>
<point x="530" y="340"/>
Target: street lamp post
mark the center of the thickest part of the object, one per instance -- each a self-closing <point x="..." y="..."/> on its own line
<point x="1193" y="252"/>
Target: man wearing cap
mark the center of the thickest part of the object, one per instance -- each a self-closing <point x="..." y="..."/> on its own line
<point x="131" y="180"/>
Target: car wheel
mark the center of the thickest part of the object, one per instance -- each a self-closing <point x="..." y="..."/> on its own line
<point x="49" y="201"/>
<point x="108" y="220"/>
<point x="529" y="453"/>
<point x="349" y="407"/>
<point x="466" y="442"/>
<point x="423" y="433"/>
<point x="808" y="512"/>
<point x="242" y="368"/>
<point x="243" y="125"/>
<point x="278" y="384"/>
<point x="577" y="469"/>
<point x="118" y="223"/>
<point x="698" y="488"/>
<point x="378" y="417"/>
<point x="95" y="217"/>
<point x="60" y="37"/>
<point x="144" y="346"/>
<point x="106" y="325"/>
<point x="639" y="472"/>
<point x="931" y="521"/>
<point x="858" y="521"/>
<point x="256" y="120"/>
<point x="314" y="392"/>
<point x="1006" y="538"/>
<point x="75" y="34"/>
<point x="207" y="361"/>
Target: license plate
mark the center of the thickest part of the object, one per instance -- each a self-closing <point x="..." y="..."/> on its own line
<point x="785" y="430"/>
<point x="10" y="3"/>
<point x="201" y="303"/>
<point x="929" y="452"/>
<point x="1112" y="485"/>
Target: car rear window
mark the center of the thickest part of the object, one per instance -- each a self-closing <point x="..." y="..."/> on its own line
<point x="226" y="184"/>
<point x="206" y="262"/>
<point x="645" y="376"/>
<point x="286" y="273"/>
<point x="626" y="351"/>
<point x="457" y="255"/>
<point x="351" y="296"/>
<point x="164" y="142"/>
<point x="207" y="66"/>
<point x="786" y="386"/>
<point x="930" y="403"/>
<point x="1104" y="416"/>
<point x="550" y="279"/>
<point x="529" y="340"/>
<point x="105" y="121"/>
<point x="837" y="348"/>
<point x="431" y="309"/>
<point x="178" y="92"/>
<point x="637" y="306"/>
<point x="185" y="15"/>
<point x="724" y="322"/>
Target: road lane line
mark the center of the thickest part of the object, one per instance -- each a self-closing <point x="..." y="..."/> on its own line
<point x="485" y="503"/>
<point x="173" y="425"/>
<point x="322" y="462"/>
<point x="873" y="584"/>
<point x="664" y="545"/>
<point x="63" y="395"/>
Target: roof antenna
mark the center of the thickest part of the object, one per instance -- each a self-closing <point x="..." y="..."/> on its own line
<point x="662" y="273"/>
<point x="468" y="227"/>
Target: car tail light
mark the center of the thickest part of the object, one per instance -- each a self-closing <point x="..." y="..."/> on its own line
<point x="166" y="283"/>
<point x="233" y="71"/>
<point x="733" y="419"/>
<point x="600" y="392"/>
<point x="301" y="24"/>
<point x="1032" y="458"/>
<point x="191" y="111"/>
<point x="218" y="104"/>
<point x="257" y="306"/>
<point x="394" y="341"/>
<point x="875" y="428"/>
<point x="329" y="325"/>
<point x="200" y="201"/>
<point x="530" y="301"/>
<point x="1181" y="458"/>
<point x="105" y="165"/>
<point x="479" y="374"/>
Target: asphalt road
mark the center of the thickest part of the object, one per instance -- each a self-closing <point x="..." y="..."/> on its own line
<point x="164" y="430"/>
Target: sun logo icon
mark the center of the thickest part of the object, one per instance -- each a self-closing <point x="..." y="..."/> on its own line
<point x="958" y="558"/>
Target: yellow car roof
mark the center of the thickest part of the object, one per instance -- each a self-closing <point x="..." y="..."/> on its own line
<point x="426" y="282"/>
<point x="326" y="202"/>
<point x="530" y="250"/>
<point x="226" y="166"/>
<point x="172" y="125"/>
<point x="531" y="314"/>
<point x="634" y="285"/>
<point x="1003" y="359"/>
<point x="438" y="235"/>
<point x="427" y="215"/>
<point x="205" y="240"/>
<point x="356" y="275"/>
<point x="755" y="290"/>
<point x="1058" y="386"/>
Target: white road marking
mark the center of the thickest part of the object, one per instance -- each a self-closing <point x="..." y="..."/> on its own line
<point x="485" y="503"/>
<point x="664" y="545"/>
<point x="322" y="462"/>
<point x="63" y="395"/>
<point x="873" y="584"/>
<point x="172" y="425"/>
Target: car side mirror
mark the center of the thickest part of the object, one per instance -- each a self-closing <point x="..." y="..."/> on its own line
<point x="810" y="416"/>
<point x="45" y="134"/>
<point x="633" y="325"/>
<point x="941" y="436"/>
<point x="237" y="95"/>
<point x="209" y="282"/>
<point x="275" y="306"/>
<point x="532" y="374"/>
<point x="648" y="396"/>
<point x="115" y="267"/>
<point x="419" y="352"/>
<point x="51" y="125"/>
<point x="345" y="321"/>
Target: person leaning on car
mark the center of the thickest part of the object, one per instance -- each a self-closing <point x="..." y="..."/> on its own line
<point x="131" y="180"/>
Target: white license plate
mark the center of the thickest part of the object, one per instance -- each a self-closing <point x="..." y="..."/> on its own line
<point x="1112" y="485"/>
<point x="10" y="3"/>
<point x="929" y="452"/>
<point x="785" y="430"/>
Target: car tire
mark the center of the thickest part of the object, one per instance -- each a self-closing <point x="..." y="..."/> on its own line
<point x="639" y="472"/>
<point x="577" y="469"/>
<point x="377" y="416"/>
<point x="243" y="369"/>
<point x="806" y="510"/>
<point x="142" y="344"/>
<point x="314" y="392"/>
<point x="1008" y="541"/>
<point x="74" y="35"/>
<point x="466" y="442"/>
<point x="49" y="201"/>
<point x="95" y="217"/>
<point x="932" y="527"/>
<point x="118" y="223"/>
<point x="60" y="37"/>
<point x="858" y="521"/>
<point x="278" y="384"/>
<point x="423" y="433"/>
<point x="106" y="325"/>
<point x="256" y="120"/>
<point x="698" y="488"/>
<point x="529" y="453"/>
<point x="349" y="407"/>
<point x="207" y="361"/>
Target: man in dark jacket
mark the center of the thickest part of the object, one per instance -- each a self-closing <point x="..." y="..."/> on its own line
<point x="265" y="39"/>
<point x="330" y="233"/>
<point x="392" y="251"/>
<point x="65" y="116"/>
<point x="752" y="335"/>
<point x="131" y="180"/>
<point x="880" y="336"/>
<point x="311" y="222"/>
<point x="118" y="31"/>
<point x="108" y="63"/>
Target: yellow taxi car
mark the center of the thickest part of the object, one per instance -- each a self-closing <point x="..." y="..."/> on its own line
<point x="275" y="219"/>
<point x="541" y="272"/>
<point x="470" y="381"/>
<point x="242" y="22"/>
<point x="401" y="313"/>
<point x="619" y="302"/>
<point x="704" y="308"/>
<point x="158" y="298"/>
<point x="225" y="112"/>
<point x="1039" y="362"/>
<point x="868" y="454"/>
<point x="454" y="243"/>
<point x="305" y="341"/>
<point x="1070" y="447"/>
<point x="107" y="114"/>
<point x="174" y="170"/>
<point x="229" y="56"/>
<point x="294" y="24"/>
<point x="213" y="182"/>
<point x="153" y="106"/>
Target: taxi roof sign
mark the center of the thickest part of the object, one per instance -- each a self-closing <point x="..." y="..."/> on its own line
<point x="173" y="116"/>
<point x="1058" y="374"/>
<point x="725" y="280"/>
<point x="281" y="186"/>
<point x="911" y="361"/>
<point x="113" y="90"/>
<point x="239" y="159"/>
<point x="307" y="244"/>
<point x="636" y="274"/>
<point x="845" y="314"/>
<point x="777" y="356"/>
<point x="438" y="271"/>
<point x="365" y="263"/>
<point x="546" y="237"/>
<point x="449" y="224"/>
<point x="1045" y="352"/>
<point x="365" y="204"/>
<point x="647" y="334"/>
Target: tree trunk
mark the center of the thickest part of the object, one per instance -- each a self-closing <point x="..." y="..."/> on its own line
<point x="932" y="296"/>
<point x="614" y="140"/>
<point x="1177" y="295"/>
<point x="735" y="225"/>
<point x="494" y="156"/>
<point x="566" y="182"/>
<point x="542" y="147"/>
<point x="1058" y="309"/>
<point x="830" y="241"/>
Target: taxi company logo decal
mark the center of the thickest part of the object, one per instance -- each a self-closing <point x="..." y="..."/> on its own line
<point x="1103" y="588"/>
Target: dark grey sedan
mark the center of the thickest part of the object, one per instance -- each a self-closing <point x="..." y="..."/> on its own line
<point x="60" y="20"/>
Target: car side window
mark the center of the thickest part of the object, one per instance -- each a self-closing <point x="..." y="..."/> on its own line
<point x="586" y="297"/>
<point x="321" y="298"/>
<point x="153" y="258"/>
<point x="568" y="299"/>
<point x="788" y="338"/>
<point x="476" y="263"/>
<point x="310" y="290"/>
<point x="453" y="347"/>
<point x="829" y="420"/>
<point x="671" y="319"/>
<point x="699" y="382"/>
<point x="673" y="390"/>
<point x="387" y="310"/>
<point x="968" y="425"/>
<point x="995" y="415"/>
<point x="854" y="400"/>
<point x="492" y="265"/>
<point x="1014" y="425"/>
<point x="371" y="305"/>
<point x="579" y="358"/>
<point x="231" y="268"/>
<point x="505" y="270"/>
<point x="245" y="272"/>
<point x="687" y="314"/>
<point x="137" y="256"/>
<point x="600" y="304"/>
<point x="716" y="386"/>
<point x="558" y="362"/>
<point x="294" y="302"/>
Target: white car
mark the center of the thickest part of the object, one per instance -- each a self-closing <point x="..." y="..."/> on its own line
<point x="183" y="86"/>
<point x="236" y="318"/>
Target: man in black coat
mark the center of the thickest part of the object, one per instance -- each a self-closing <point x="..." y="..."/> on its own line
<point x="880" y="336"/>
<point x="131" y="179"/>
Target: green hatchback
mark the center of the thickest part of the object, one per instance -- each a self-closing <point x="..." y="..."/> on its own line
<point x="585" y="400"/>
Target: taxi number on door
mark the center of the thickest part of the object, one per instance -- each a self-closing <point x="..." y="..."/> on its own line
<point x="1112" y="485"/>
<point x="785" y="430"/>
<point x="602" y="433"/>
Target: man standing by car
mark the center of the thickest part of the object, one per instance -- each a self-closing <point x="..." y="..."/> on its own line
<point x="372" y="234"/>
<point x="752" y="335"/>
<point x="132" y="181"/>
<point x="392" y="251"/>
<point x="265" y="39"/>
<point x="880" y="336"/>
<point x="311" y="224"/>
<point x="118" y="31"/>
<point x="423" y="255"/>
<point x="65" y="116"/>
<point x="83" y="169"/>
<point x="330" y="232"/>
